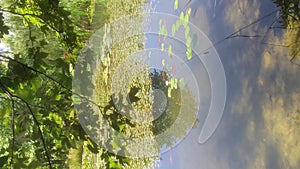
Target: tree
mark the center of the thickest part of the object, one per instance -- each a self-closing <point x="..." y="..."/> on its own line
<point x="289" y="19"/>
<point x="35" y="84"/>
<point x="289" y="11"/>
<point x="181" y="109"/>
<point x="38" y="121"/>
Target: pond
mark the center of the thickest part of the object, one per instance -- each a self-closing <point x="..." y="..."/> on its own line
<point x="160" y="84"/>
<point x="200" y="84"/>
<point x="259" y="126"/>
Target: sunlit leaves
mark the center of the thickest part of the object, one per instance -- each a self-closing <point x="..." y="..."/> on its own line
<point x="114" y="164"/>
<point x="38" y="52"/>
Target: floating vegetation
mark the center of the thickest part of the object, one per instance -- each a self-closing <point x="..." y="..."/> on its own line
<point x="175" y="4"/>
<point x="183" y="21"/>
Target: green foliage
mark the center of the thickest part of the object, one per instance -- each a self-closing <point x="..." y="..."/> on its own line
<point x="3" y="160"/>
<point x="175" y="4"/>
<point x="180" y="100"/>
<point x="289" y="10"/>
<point x="36" y="77"/>
<point x="39" y="127"/>
<point x="3" y="27"/>
<point x="290" y="19"/>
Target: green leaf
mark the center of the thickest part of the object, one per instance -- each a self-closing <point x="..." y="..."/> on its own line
<point x="187" y="31"/>
<point x="172" y="83"/>
<point x="186" y="19"/>
<point x="176" y="4"/>
<point x="162" y="47"/>
<point x="58" y="97"/>
<point x="181" y="17"/>
<point x="163" y="62"/>
<point x="173" y="29"/>
<point x="169" y="92"/>
<point x="189" y="53"/>
<point x="3" y="161"/>
<point x="170" y="50"/>
<point x="114" y="165"/>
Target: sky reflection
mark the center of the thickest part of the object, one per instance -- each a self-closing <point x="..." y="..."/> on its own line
<point x="263" y="91"/>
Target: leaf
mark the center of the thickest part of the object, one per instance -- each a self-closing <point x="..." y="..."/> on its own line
<point x="170" y="50"/>
<point x="186" y="19"/>
<point x="187" y="31"/>
<point x="58" y="97"/>
<point x="173" y="83"/>
<point x="114" y="165"/>
<point x="189" y="53"/>
<point x="3" y="160"/>
<point x="173" y="29"/>
<point x="181" y="18"/>
<point x="169" y="92"/>
<point x="121" y="127"/>
<point x="176" y="4"/>
<point x="132" y="94"/>
<point x="162" y="47"/>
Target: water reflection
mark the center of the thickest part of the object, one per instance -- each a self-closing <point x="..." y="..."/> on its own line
<point x="259" y="129"/>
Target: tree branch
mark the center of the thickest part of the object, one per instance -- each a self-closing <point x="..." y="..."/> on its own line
<point x="34" y="70"/>
<point x="51" y="78"/>
<point x="33" y="15"/>
<point x="12" y="122"/>
<point x="34" y="119"/>
<point x="295" y="55"/>
<point x="246" y="36"/>
<point x="237" y="31"/>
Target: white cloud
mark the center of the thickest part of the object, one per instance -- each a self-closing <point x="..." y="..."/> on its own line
<point x="242" y="12"/>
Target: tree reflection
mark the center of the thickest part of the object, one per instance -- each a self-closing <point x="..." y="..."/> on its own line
<point x="181" y="101"/>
